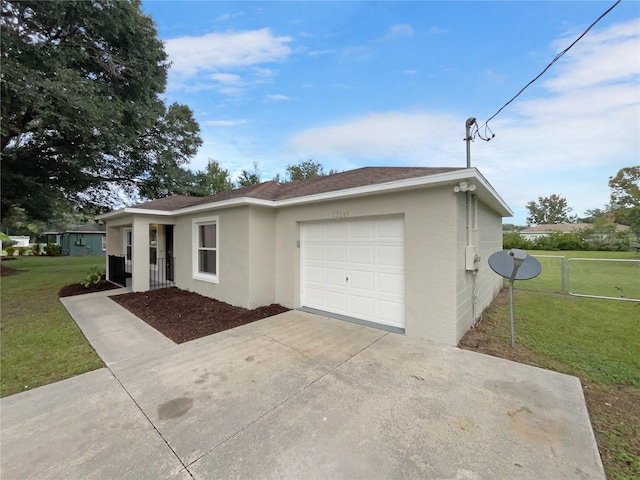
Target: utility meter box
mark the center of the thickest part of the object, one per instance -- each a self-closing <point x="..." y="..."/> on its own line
<point x="472" y="259"/>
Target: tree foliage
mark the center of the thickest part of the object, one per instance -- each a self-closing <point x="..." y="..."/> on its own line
<point x="213" y="179"/>
<point x="305" y="170"/>
<point x="552" y="209"/>
<point x="249" y="177"/>
<point x="81" y="107"/>
<point x="171" y="142"/>
<point x="625" y="188"/>
<point x="625" y="197"/>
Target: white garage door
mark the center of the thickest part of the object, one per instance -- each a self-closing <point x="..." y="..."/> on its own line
<point x="355" y="268"/>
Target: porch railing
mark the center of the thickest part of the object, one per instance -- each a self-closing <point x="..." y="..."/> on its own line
<point x="118" y="270"/>
<point x="161" y="274"/>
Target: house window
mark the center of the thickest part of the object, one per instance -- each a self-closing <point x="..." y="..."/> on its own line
<point x="104" y="243"/>
<point x="153" y="245"/>
<point x="128" y="243"/>
<point x="205" y="249"/>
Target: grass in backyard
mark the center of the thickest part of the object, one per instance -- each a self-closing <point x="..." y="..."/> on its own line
<point x="40" y="343"/>
<point x="562" y="272"/>
<point x="594" y="339"/>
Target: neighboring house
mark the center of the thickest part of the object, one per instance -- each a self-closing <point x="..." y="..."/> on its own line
<point x="78" y="240"/>
<point x="21" y="240"/>
<point x="405" y="248"/>
<point x="537" y="231"/>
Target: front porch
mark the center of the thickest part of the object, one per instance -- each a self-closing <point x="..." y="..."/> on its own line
<point x="161" y="273"/>
<point x="140" y="254"/>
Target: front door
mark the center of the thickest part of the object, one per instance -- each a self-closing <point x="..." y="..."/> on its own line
<point x="168" y="248"/>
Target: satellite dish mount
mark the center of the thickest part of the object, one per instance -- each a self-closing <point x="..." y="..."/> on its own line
<point x="514" y="264"/>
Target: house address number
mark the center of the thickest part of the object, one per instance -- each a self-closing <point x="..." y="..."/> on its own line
<point x="341" y="214"/>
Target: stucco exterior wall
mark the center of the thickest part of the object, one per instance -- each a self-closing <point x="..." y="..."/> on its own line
<point x="430" y="265"/>
<point x="233" y="255"/>
<point x="475" y="290"/>
<point x="259" y="254"/>
<point x="262" y="256"/>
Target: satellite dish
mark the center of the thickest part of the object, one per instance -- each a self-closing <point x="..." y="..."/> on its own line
<point x="504" y="262"/>
<point x="514" y="265"/>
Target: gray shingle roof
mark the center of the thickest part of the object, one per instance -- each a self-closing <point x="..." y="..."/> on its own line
<point x="282" y="191"/>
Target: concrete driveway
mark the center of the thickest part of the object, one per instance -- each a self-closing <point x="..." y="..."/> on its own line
<point x="298" y="396"/>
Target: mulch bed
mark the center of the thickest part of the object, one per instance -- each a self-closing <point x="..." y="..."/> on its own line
<point x="183" y="316"/>
<point x="79" y="289"/>
<point x="6" y="271"/>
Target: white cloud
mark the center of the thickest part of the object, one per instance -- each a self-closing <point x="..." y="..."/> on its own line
<point x="317" y="53"/>
<point x="223" y="123"/>
<point x="403" y="30"/>
<point x="227" y="78"/>
<point x="400" y="136"/>
<point x="611" y="55"/>
<point x="213" y="52"/>
<point x="277" y="97"/>
<point x="580" y="128"/>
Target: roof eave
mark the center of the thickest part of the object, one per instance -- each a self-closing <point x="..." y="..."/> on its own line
<point x="483" y="189"/>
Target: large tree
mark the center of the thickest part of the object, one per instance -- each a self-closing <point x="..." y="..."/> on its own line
<point x="170" y="144"/>
<point x="80" y="87"/>
<point x="213" y="179"/>
<point x="304" y="170"/>
<point x="625" y="197"/>
<point x="249" y="177"/>
<point x="552" y="209"/>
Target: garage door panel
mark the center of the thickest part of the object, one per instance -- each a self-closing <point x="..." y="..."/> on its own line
<point x="361" y="307"/>
<point x="355" y="268"/>
<point x="362" y="254"/>
<point x="314" y="252"/>
<point x="314" y="297"/>
<point x="392" y="255"/>
<point x="391" y="283"/>
<point x="389" y="313"/>
<point x="362" y="230"/>
<point x="313" y="274"/>
<point x="391" y="229"/>
<point x="362" y="280"/>
<point x="335" y="302"/>
<point x="335" y="277"/>
<point x="314" y="231"/>
<point x="336" y="253"/>
<point x="335" y="231"/>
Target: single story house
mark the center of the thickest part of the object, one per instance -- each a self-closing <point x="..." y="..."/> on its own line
<point x="404" y="248"/>
<point x="21" y="240"/>
<point x="79" y="239"/>
<point x="542" y="230"/>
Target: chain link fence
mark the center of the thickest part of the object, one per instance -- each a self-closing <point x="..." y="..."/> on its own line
<point x="604" y="278"/>
<point x="586" y="277"/>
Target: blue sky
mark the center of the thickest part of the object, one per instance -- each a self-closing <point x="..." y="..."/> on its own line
<point x="355" y="84"/>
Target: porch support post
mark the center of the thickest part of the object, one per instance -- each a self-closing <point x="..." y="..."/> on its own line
<point x="114" y="244"/>
<point x="140" y="247"/>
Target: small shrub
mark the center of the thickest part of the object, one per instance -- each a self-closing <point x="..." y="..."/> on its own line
<point x="6" y="241"/>
<point x="560" y="241"/>
<point x="515" y="240"/>
<point x="94" y="277"/>
<point x="11" y="250"/>
<point x="53" y="249"/>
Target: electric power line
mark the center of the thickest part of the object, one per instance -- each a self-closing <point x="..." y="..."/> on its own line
<point x="486" y="137"/>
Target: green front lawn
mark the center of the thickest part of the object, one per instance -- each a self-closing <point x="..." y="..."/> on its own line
<point x="40" y="343"/>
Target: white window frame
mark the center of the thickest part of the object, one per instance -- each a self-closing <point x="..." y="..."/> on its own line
<point x="195" y="248"/>
<point x="104" y="243"/>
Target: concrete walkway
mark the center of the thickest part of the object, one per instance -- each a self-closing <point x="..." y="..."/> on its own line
<point x="295" y="396"/>
<point x="114" y="333"/>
